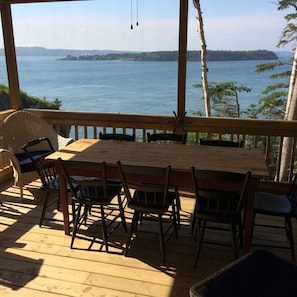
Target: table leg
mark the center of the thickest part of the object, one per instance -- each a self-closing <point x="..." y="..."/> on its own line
<point x="249" y="215"/>
<point x="64" y="200"/>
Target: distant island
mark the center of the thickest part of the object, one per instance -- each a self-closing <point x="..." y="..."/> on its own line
<point x="103" y="55"/>
<point x="173" y="56"/>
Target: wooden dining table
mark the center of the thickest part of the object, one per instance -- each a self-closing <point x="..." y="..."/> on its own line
<point x="179" y="157"/>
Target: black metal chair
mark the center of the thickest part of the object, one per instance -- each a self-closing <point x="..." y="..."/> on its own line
<point x="89" y="192"/>
<point x="151" y="198"/>
<point x="283" y="206"/>
<point x="46" y="171"/>
<point x="167" y="137"/>
<point x="215" y="202"/>
<point x="117" y="136"/>
<point x="220" y="142"/>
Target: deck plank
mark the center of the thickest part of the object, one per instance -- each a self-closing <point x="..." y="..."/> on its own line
<point x="39" y="262"/>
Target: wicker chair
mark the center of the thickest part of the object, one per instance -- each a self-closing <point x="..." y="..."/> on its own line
<point x="18" y="129"/>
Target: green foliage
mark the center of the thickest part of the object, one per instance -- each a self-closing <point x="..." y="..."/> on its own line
<point x="289" y="33"/>
<point x="35" y="102"/>
<point x="224" y="98"/>
<point x="252" y="111"/>
<point x="270" y="66"/>
<point x="27" y="101"/>
<point x="273" y="103"/>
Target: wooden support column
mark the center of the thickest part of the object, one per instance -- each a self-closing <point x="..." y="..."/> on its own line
<point x="182" y="58"/>
<point x="10" y="54"/>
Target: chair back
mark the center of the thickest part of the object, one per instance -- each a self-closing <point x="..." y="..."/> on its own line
<point x="219" y="192"/>
<point x="117" y="136"/>
<point x="38" y="144"/>
<point x="219" y="142"/>
<point x="46" y="169"/>
<point x="149" y="185"/>
<point x="167" y="137"/>
<point x="87" y="181"/>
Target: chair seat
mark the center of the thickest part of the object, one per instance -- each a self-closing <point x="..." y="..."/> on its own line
<point x="25" y="161"/>
<point x="54" y="184"/>
<point x="272" y="204"/>
<point x="92" y="194"/>
<point x="146" y="201"/>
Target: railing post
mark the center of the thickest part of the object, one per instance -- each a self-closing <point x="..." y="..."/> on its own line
<point x="10" y="54"/>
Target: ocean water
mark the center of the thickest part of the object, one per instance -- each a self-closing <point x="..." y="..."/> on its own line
<point x="129" y="87"/>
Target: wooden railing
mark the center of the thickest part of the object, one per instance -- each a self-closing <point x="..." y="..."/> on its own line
<point x="264" y="134"/>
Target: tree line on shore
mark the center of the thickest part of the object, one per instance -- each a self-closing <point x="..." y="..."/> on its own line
<point x="173" y="56"/>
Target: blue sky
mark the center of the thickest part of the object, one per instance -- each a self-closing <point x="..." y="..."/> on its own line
<point x="105" y="24"/>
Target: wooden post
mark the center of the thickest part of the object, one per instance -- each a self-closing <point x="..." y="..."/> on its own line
<point x="10" y="54"/>
<point x="182" y="58"/>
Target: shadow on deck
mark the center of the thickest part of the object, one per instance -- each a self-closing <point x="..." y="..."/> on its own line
<point x="38" y="261"/>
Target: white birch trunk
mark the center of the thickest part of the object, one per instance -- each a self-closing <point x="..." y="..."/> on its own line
<point x="291" y="114"/>
<point x="204" y="68"/>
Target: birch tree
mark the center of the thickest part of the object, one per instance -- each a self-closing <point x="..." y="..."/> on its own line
<point x="204" y="68"/>
<point x="289" y="35"/>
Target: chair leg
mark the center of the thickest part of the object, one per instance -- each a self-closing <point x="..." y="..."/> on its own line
<point x="289" y="229"/>
<point x="73" y="211"/>
<point x="234" y="244"/>
<point x="240" y="236"/>
<point x="43" y="209"/>
<point x="197" y="228"/>
<point x="21" y="191"/>
<point x="122" y="212"/>
<point x="87" y="210"/>
<point x="132" y="228"/>
<point x="194" y="220"/>
<point x="161" y="237"/>
<point x="174" y="219"/>
<point x="75" y="226"/>
<point x="199" y="244"/>
<point x="178" y="206"/>
<point x="104" y="229"/>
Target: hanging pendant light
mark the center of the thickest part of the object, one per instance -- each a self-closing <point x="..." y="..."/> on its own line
<point x="131" y="15"/>
<point x="137" y="23"/>
<point x="136" y="12"/>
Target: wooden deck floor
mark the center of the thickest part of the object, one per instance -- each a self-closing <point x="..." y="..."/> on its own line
<point x="38" y="261"/>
